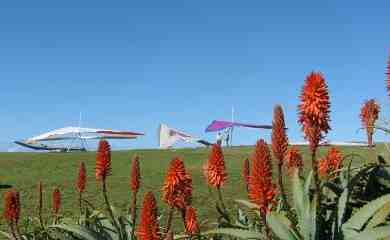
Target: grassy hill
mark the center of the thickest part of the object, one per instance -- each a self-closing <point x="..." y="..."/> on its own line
<point x="25" y="170"/>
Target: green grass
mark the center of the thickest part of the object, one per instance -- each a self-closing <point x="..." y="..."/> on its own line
<point x="25" y="170"/>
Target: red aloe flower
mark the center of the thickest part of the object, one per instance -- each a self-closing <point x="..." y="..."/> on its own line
<point x="294" y="159"/>
<point x="246" y="172"/>
<point x="82" y="178"/>
<point x="12" y="206"/>
<point x="56" y="200"/>
<point x="148" y="226"/>
<point x="368" y="115"/>
<point x="103" y="160"/>
<point x="177" y="188"/>
<point x="261" y="189"/>
<point x="330" y="162"/>
<point x="214" y="169"/>
<point x="191" y="222"/>
<point x="279" y="137"/>
<point x="314" y="109"/>
<point x="135" y="175"/>
<point x="388" y="76"/>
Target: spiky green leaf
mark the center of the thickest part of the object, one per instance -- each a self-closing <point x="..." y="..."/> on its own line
<point x="360" y="218"/>
<point x="281" y="226"/>
<point x="237" y="233"/>
<point x="79" y="231"/>
<point x="372" y="234"/>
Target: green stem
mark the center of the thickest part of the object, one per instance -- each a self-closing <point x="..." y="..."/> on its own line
<point x="169" y="220"/>
<point x="40" y="217"/>
<point x="263" y="220"/>
<point x="133" y="212"/>
<point x="220" y="198"/>
<point x="317" y="189"/>
<point x="109" y="210"/>
<point x="12" y="230"/>
<point x="80" y="203"/>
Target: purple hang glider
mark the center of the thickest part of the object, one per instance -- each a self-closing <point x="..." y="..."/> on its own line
<point x="218" y="125"/>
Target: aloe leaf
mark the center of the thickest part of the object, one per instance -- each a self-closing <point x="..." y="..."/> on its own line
<point x="7" y="235"/>
<point x="233" y="232"/>
<point x="313" y="217"/>
<point x="280" y="226"/>
<point x="358" y="220"/>
<point x="307" y="183"/>
<point x="380" y="216"/>
<point x="372" y="234"/>
<point x="298" y="198"/>
<point x="341" y="206"/>
<point x="79" y="231"/>
<point x="247" y="204"/>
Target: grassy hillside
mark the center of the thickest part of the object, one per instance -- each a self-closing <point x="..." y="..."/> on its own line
<point x="24" y="170"/>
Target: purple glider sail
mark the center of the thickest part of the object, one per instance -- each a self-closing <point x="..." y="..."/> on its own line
<point x="218" y="125"/>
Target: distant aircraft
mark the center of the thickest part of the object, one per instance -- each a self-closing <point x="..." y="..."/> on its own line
<point x="335" y="143"/>
<point x="67" y="136"/>
<point x="167" y="137"/>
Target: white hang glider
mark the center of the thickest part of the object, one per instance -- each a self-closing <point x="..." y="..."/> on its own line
<point x="335" y="143"/>
<point x="66" y="138"/>
<point x="167" y="137"/>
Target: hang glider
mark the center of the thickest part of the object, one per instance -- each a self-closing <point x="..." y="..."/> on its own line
<point x="70" y="135"/>
<point x="218" y="125"/>
<point x="167" y="137"/>
<point x="335" y="143"/>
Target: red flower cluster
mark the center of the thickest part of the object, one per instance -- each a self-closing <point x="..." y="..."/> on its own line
<point x="135" y="175"/>
<point x="12" y="206"/>
<point x="214" y="169"/>
<point x="368" y="115"/>
<point x="81" y="179"/>
<point x="191" y="222"/>
<point x="314" y="109"/>
<point x="330" y="162"/>
<point x="261" y="189"/>
<point x="103" y="160"/>
<point x="148" y="225"/>
<point x="177" y="188"/>
<point x="278" y="136"/>
<point x="294" y="159"/>
<point x="56" y="200"/>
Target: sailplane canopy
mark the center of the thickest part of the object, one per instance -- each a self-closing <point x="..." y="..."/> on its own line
<point x="218" y="125"/>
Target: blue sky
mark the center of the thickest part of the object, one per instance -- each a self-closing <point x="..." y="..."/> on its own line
<point x="133" y="64"/>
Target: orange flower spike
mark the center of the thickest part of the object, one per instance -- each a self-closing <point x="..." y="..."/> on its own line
<point x="261" y="189"/>
<point x="330" y="162"/>
<point x="369" y="114"/>
<point x="388" y="76"/>
<point x="103" y="160"/>
<point x="191" y="223"/>
<point x="11" y="206"/>
<point x="246" y="171"/>
<point x="148" y="226"/>
<point x="294" y="159"/>
<point x="177" y="188"/>
<point x="135" y="175"/>
<point x="56" y="200"/>
<point x="314" y="109"/>
<point x="215" y="167"/>
<point x="81" y="179"/>
<point x="278" y="136"/>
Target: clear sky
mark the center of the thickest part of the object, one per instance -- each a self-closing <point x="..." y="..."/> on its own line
<point x="133" y="64"/>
